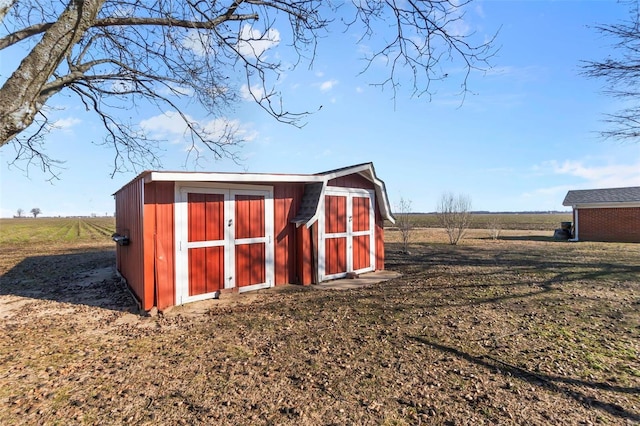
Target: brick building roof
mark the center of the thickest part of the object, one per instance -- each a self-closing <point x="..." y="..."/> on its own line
<point x="608" y="195"/>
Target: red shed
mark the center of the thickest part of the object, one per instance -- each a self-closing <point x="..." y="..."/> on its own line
<point x="187" y="236"/>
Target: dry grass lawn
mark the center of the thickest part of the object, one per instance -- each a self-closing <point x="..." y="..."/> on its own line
<point x="523" y="330"/>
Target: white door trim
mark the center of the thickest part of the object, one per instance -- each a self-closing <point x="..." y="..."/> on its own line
<point x="267" y="239"/>
<point x="349" y="193"/>
<point x="182" y="245"/>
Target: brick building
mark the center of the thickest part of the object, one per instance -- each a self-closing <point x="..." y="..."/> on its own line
<point x="611" y="214"/>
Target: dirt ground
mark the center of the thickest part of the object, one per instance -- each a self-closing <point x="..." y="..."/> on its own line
<point x="523" y="330"/>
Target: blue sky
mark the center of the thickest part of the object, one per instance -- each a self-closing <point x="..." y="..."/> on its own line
<point x="525" y="135"/>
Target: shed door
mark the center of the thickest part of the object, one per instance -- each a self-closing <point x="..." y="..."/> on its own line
<point x="225" y="240"/>
<point x="206" y="242"/>
<point x="250" y="241"/>
<point x="348" y="243"/>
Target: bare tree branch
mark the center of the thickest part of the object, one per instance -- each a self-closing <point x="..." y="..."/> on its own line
<point x="119" y="54"/>
<point x="620" y="72"/>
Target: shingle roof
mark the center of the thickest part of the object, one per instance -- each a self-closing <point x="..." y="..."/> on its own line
<point x="314" y="191"/>
<point x="309" y="203"/>
<point x="608" y="195"/>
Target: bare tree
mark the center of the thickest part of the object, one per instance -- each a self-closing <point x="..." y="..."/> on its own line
<point x="20" y="212"/>
<point x="621" y="74"/>
<point x="35" y="211"/>
<point x="495" y="228"/>
<point x="404" y="223"/>
<point x="119" y="55"/>
<point x="454" y="215"/>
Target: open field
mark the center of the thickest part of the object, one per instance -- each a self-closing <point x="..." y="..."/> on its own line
<point x="55" y="229"/>
<point x="511" y="221"/>
<point x="523" y="330"/>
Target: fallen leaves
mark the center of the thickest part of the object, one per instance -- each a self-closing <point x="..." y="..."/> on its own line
<point x="511" y="333"/>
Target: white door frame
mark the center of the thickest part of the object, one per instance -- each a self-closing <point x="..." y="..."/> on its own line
<point x="182" y="236"/>
<point x="349" y="193"/>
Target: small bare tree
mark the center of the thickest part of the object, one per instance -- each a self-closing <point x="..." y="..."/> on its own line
<point x="404" y="223"/>
<point x="35" y="211"/>
<point x="454" y="214"/>
<point x="20" y="212"/>
<point x="495" y="228"/>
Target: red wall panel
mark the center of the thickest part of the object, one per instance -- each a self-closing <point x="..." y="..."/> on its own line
<point x="306" y="260"/>
<point x="129" y="214"/>
<point x="249" y="216"/>
<point x="286" y="203"/>
<point x="379" y="237"/>
<point x="360" y="214"/>
<point x="206" y="217"/>
<point x="335" y="208"/>
<point x="159" y="256"/>
<point x="352" y="181"/>
<point x="206" y="270"/>
<point x="361" y="252"/>
<point x="335" y="255"/>
<point x="250" y="264"/>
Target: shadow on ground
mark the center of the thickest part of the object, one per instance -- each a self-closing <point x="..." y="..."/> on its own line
<point x="84" y="277"/>
<point x="529" y="238"/>
<point x="553" y="383"/>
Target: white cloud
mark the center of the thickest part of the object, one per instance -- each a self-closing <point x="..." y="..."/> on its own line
<point x="171" y="127"/>
<point x="66" y="123"/>
<point x="600" y="176"/>
<point x="218" y="127"/>
<point x="198" y="42"/>
<point x="256" y="90"/>
<point x="253" y="43"/>
<point x="587" y="173"/>
<point x="455" y="24"/>
<point x="328" y="85"/>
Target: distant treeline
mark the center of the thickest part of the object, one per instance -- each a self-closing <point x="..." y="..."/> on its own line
<point x="543" y="221"/>
<point x="488" y="212"/>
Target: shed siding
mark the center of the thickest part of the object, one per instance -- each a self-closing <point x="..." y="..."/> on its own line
<point x="159" y="262"/>
<point x="287" y="198"/>
<point x="145" y="212"/>
<point x="352" y="181"/>
<point x="379" y="238"/>
<point x="129" y="217"/>
<point x="306" y="262"/>
<point x="609" y="224"/>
